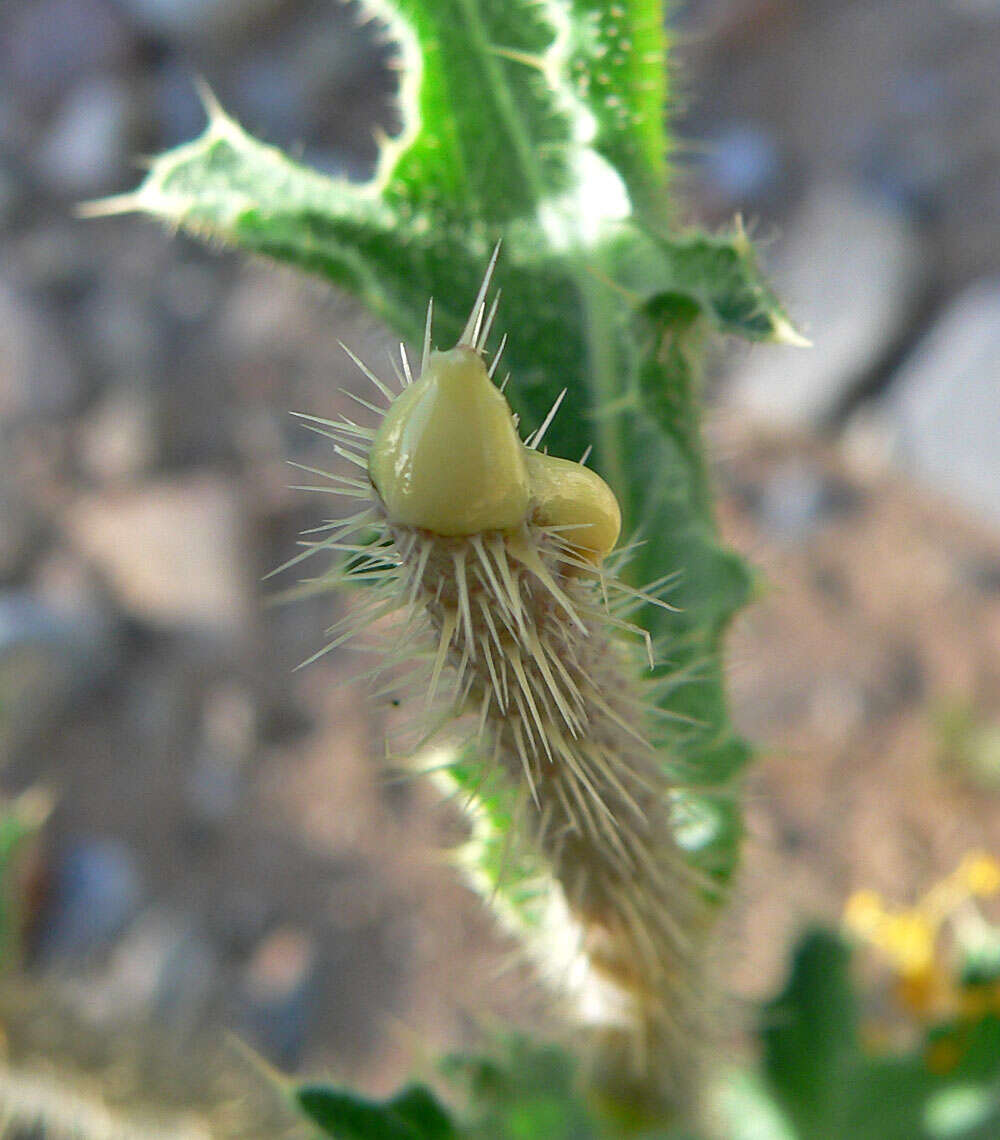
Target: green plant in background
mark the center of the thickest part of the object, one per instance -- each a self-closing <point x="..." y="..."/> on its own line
<point x="21" y="821"/>
<point x="541" y="122"/>
<point x="927" y="1066"/>
<point x="968" y="744"/>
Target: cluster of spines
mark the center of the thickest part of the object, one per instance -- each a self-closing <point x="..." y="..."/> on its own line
<point x="530" y="631"/>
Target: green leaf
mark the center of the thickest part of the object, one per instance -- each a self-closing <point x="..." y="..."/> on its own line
<point x="948" y="1088"/>
<point x="493" y="136"/>
<point x="21" y="819"/>
<point x="719" y="274"/>
<point x="809" y="1035"/>
<point x="500" y="868"/>
<point x="418" y="1105"/>
<point x="523" y="1091"/>
<point x="412" y="1114"/>
<point x="618" y="63"/>
<point x="748" y="1109"/>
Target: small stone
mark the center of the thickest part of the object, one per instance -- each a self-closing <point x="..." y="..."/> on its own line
<point x="124" y="337"/>
<point x="188" y="980"/>
<point x="866" y="442"/>
<point x="118" y="439"/>
<point x="943" y="405"/>
<point x="19" y="529"/>
<point x="909" y="170"/>
<point x="850" y="271"/>
<point x="49" y="658"/>
<point x="173" y="552"/>
<point x="741" y="165"/>
<point x="229" y="721"/>
<point x="797" y="497"/>
<point x="49" y="45"/>
<point x="96" y="889"/>
<point x="37" y="375"/>
<point x="85" y="148"/>
<point x="228" y="737"/>
<point x="176" y="107"/>
<point x="159" y="967"/>
<point x="201" y="21"/>
<point x="983" y="572"/>
<point x="792" y="500"/>
<point x="13" y="194"/>
<point x="240" y="920"/>
<point x="280" y="986"/>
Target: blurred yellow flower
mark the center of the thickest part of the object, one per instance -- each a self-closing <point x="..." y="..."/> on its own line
<point x="864" y="913"/>
<point x="905" y="937"/>
<point x="980" y="874"/>
<point x="909" y="938"/>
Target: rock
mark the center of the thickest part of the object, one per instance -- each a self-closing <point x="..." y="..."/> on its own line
<point x="850" y="270"/>
<point x="280" y="986"/>
<point x="741" y="166"/>
<point x="49" y="45"/>
<point x="173" y="552"/>
<point x="56" y="261"/>
<point x="118" y="439"/>
<point x="37" y="375"/>
<point x="200" y="21"/>
<point x="13" y="193"/>
<point x="96" y="888"/>
<point x="227" y="740"/>
<point x="124" y="338"/>
<point x="86" y="146"/>
<point x="49" y="658"/>
<point x="269" y="89"/>
<point x="797" y="497"/>
<point x="240" y="919"/>
<point x="188" y="979"/>
<point x="19" y="529"/>
<point x="909" y="170"/>
<point x="943" y="405"/>
<point x="176" y="107"/>
<point x="161" y="967"/>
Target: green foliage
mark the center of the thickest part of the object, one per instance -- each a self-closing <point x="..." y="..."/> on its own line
<point x="968" y="744"/>
<point x="946" y="1088"/>
<point x="522" y="1090"/>
<point x="20" y="822"/>
<point x="818" y="1080"/>
<point x="492" y="859"/>
<point x="541" y="123"/>
<point x="412" y="1114"/>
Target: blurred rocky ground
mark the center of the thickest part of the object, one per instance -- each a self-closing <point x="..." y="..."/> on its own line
<point x="222" y="851"/>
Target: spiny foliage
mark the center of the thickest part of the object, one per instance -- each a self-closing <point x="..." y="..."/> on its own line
<point x="540" y="121"/>
<point x="527" y="628"/>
